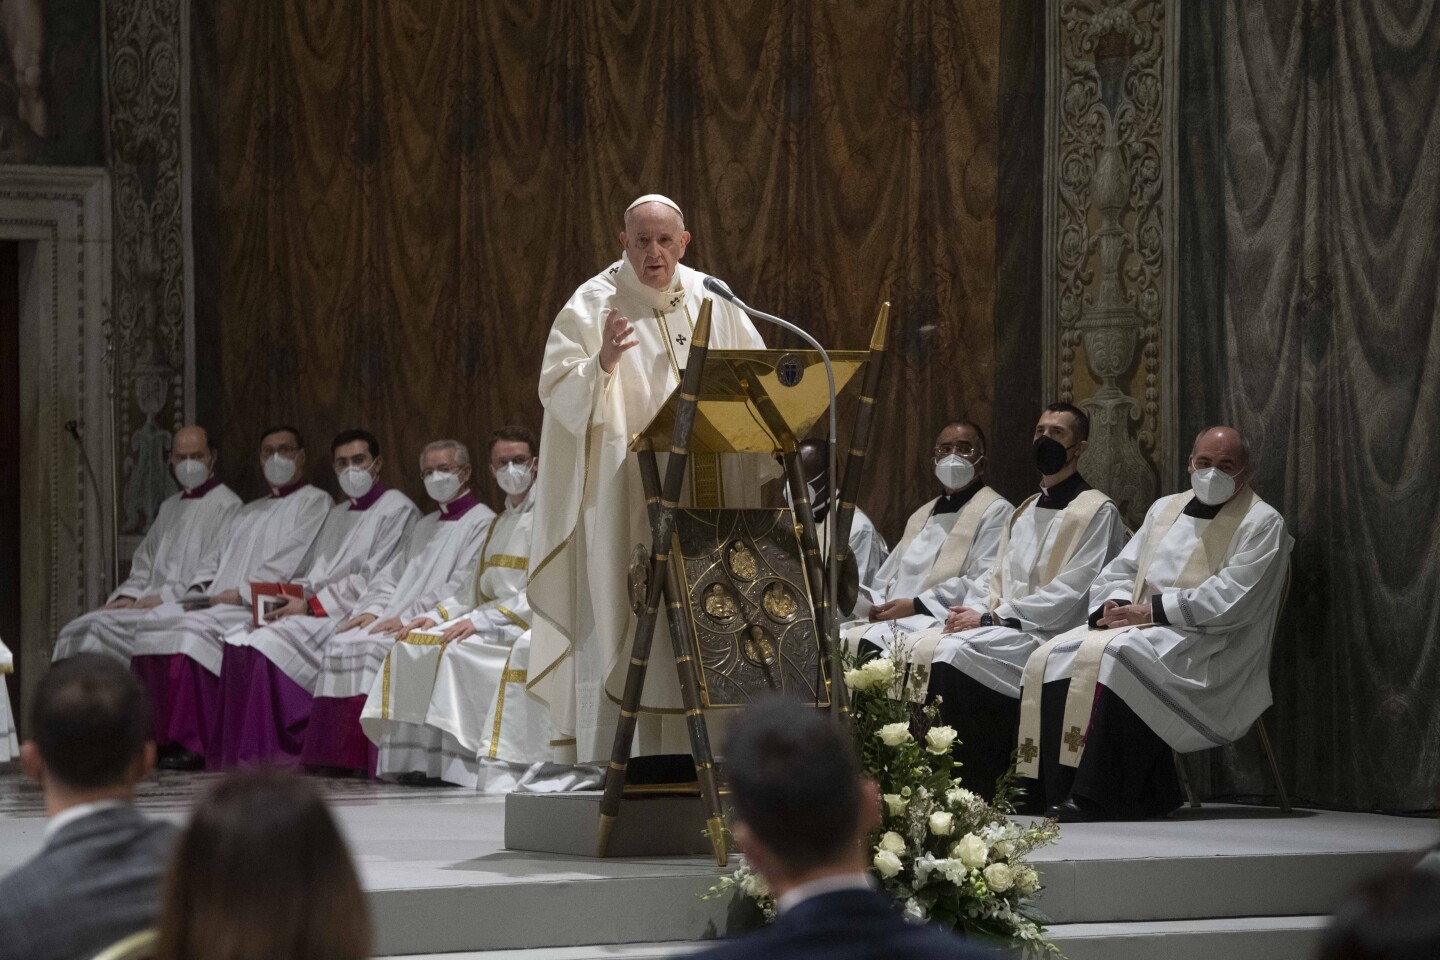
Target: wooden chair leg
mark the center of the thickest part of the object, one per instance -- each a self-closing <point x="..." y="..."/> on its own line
<point x="1269" y="751"/>
<point x="1184" y="776"/>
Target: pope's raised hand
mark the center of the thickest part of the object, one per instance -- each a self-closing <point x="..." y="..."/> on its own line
<point x="617" y="332"/>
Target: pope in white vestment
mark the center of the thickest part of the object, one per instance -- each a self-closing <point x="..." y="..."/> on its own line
<point x="1180" y="632"/>
<point x="613" y="356"/>
<point x="178" y="654"/>
<point x="181" y="547"/>
<point x="9" y="741"/>
<point x="430" y="709"/>
<point x="440" y="556"/>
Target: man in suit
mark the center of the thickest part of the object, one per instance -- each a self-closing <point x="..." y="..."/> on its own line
<point x="802" y="816"/>
<point x="97" y="877"/>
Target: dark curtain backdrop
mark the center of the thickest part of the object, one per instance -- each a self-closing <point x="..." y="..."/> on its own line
<point x="1309" y="235"/>
<point x="394" y="198"/>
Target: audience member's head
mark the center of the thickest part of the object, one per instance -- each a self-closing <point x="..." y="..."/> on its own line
<point x="261" y="873"/>
<point x="90" y="729"/>
<point x="801" y="808"/>
<point x="1395" y="916"/>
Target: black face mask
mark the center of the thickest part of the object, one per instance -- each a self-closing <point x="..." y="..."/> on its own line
<point x="1050" y="455"/>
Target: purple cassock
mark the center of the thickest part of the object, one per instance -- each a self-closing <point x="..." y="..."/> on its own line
<point x="335" y="738"/>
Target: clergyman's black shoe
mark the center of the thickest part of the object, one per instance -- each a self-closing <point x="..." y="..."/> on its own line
<point x="1076" y="810"/>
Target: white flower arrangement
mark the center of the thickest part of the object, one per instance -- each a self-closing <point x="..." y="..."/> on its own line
<point x="942" y="852"/>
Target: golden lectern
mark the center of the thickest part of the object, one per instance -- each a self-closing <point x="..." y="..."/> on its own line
<point x="745" y="591"/>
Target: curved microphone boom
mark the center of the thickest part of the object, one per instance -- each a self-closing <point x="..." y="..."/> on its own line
<point x="722" y="290"/>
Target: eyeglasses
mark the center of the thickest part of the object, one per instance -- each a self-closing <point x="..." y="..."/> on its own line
<point x="284" y="449"/>
<point x="962" y="449"/>
<point x="523" y="460"/>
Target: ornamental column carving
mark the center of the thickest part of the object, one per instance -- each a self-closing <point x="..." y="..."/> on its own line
<point x="1109" y="280"/>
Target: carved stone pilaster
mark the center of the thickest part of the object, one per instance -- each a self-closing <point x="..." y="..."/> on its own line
<point x="148" y="77"/>
<point x="1109" y="282"/>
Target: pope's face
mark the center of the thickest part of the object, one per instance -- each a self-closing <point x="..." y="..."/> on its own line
<point x="654" y="239"/>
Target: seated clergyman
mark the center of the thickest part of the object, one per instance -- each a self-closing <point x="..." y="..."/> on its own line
<point x="179" y="647"/>
<point x="451" y="692"/>
<point x="182" y="546"/>
<point x="1055" y="545"/>
<point x="268" y="675"/>
<point x="866" y="544"/>
<point x="950" y="540"/>
<point x="439" y="558"/>
<point x="1175" y="655"/>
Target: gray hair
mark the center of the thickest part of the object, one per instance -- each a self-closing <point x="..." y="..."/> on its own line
<point x="462" y="452"/>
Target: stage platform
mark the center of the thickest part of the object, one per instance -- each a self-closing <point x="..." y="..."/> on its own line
<point x="1220" y="882"/>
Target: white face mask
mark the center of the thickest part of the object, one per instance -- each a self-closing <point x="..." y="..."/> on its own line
<point x="191" y="473"/>
<point x="955" y="472"/>
<point x="1212" y="486"/>
<point x="514" y="478"/>
<point x="279" y="470"/>
<point x="356" y="482"/>
<point x="442" y="486"/>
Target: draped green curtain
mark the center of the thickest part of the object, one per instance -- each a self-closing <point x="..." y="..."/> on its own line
<point x="1309" y="216"/>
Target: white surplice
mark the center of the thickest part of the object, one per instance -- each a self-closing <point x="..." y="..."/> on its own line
<point x="358" y="540"/>
<point x="590" y="509"/>
<point x="439" y="559"/>
<point x="267" y="543"/>
<point x="866" y="544"/>
<point x="932" y="553"/>
<point x="418" y="683"/>
<point x="1202" y="679"/>
<point x="995" y="656"/>
<point x="181" y="548"/>
<point x="9" y="741"/>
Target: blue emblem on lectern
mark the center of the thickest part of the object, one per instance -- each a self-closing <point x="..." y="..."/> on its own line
<point x="789" y="370"/>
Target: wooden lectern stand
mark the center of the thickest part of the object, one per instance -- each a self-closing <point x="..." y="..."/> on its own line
<point x="744" y="590"/>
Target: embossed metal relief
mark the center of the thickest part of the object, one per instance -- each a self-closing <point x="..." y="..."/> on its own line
<point x="1109" y="296"/>
<point x="749" y="606"/>
<point x="147" y="45"/>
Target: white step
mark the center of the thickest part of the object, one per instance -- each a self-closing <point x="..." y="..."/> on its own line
<point x="1229" y="938"/>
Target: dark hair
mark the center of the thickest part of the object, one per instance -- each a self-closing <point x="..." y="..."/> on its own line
<point x="515" y="435"/>
<point x="795" y="781"/>
<point x="1395" y="916"/>
<point x="984" y="444"/>
<point x="90" y="721"/>
<point x="282" y="428"/>
<point x="1081" y="418"/>
<point x="345" y="437"/>
<point x="262" y="873"/>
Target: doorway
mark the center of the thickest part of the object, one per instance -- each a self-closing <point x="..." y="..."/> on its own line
<point x="10" y="460"/>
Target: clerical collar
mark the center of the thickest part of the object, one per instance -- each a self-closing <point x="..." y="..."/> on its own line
<point x="1202" y="511"/>
<point x="280" y="493"/>
<point x="367" y="501"/>
<point x="954" y="502"/>
<point x="1059" y="496"/>
<point x="210" y="484"/>
<point x="523" y="505"/>
<point x="627" y="279"/>
<point x="458" y="507"/>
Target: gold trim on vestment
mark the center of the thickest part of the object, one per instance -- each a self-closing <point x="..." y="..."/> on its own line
<point x="508" y="561"/>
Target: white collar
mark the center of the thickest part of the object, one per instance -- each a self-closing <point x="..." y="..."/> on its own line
<point x="523" y="505"/>
<point x="70" y="814"/>
<point x="795" y="896"/>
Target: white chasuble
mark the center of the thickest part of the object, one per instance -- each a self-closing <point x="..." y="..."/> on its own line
<point x="1202" y="678"/>
<point x="439" y="559"/>
<point x="359" y="539"/>
<point x="494" y="600"/>
<point x="9" y="741"/>
<point x="181" y="547"/>
<point x="267" y="543"/>
<point x="590" y="512"/>
<point x="1043" y="575"/>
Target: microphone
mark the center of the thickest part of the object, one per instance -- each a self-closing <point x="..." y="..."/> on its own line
<point x="832" y="551"/>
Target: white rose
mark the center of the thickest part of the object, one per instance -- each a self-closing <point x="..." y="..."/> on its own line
<point x="857" y="680"/>
<point x="755" y="886"/>
<point x="999" y="877"/>
<point x="960" y="797"/>
<point x="894" y="734"/>
<point x="881" y="671"/>
<point x="970" y="850"/>
<point x="896" y="804"/>
<point x="1027" y="881"/>
<point x="1003" y="849"/>
<point x="887" y="864"/>
<point x="938" y="739"/>
<point x="915" y="910"/>
<point x="892" y="842"/>
<point x="942" y="824"/>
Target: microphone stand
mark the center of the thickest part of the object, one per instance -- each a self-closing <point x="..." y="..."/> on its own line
<point x="837" y="673"/>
